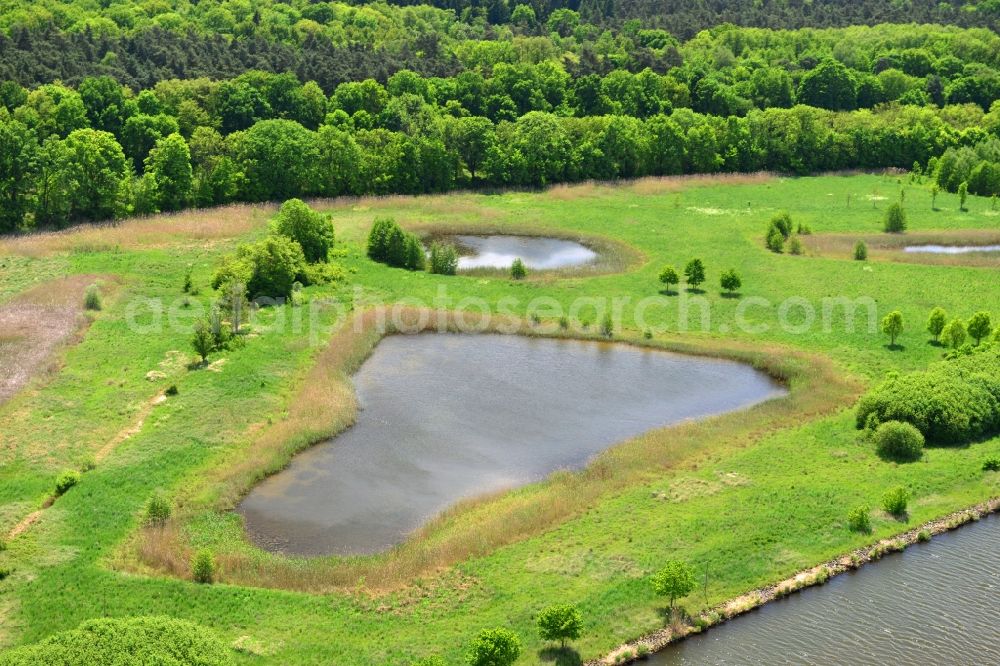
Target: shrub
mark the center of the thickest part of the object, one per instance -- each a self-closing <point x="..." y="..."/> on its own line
<point x="694" y="272"/>
<point x="730" y="281"/>
<point x="415" y="260"/>
<point x="898" y="441"/>
<point x="795" y="246"/>
<point x="157" y="509"/>
<point x="668" y="277"/>
<point x="953" y="334"/>
<point x="963" y="194"/>
<point x="892" y="325"/>
<point x="803" y="229"/>
<point x="560" y="623"/>
<point x="171" y="390"/>
<point x="92" y="298"/>
<point x="202" y="341"/>
<point x="444" y="259"/>
<point x="860" y="251"/>
<point x="129" y="640"/>
<point x="203" y="568"/>
<point x="312" y="230"/>
<point x="186" y="288"/>
<point x="5" y="572"/>
<point x="66" y="480"/>
<point x="895" y="219"/>
<point x="783" y="223"/>
<point x="675" y="580"/>
<point x="607" y="326"/>
<point x="517" y="270"/>
<point x="494" y="647"/>
<point x="775" y="240"/>
<point x="980" y="326"/>
<point x="378" y="239"/>
<point x="936" y="322"/>
<point x="991" y="465"/>
<point x="859" y="519"/>
<point x="923" y="536"/>
<point x="894" y="501"/>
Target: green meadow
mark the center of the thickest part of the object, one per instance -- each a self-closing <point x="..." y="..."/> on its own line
<point x="748" y="498"/>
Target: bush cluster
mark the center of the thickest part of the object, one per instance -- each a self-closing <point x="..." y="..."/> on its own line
<point x="271" y="267"/>
<point x="952" y="402"/>
<point x="389" y="244"/>
<point x="132" y="640"/>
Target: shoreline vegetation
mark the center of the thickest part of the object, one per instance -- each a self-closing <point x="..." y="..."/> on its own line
<point x="325" y="405"/>
<point x="819" y="574"/>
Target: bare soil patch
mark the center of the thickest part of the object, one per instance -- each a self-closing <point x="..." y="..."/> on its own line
<point x="34" y="324"/>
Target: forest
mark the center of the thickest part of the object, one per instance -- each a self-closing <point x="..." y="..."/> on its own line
<point x="129" y="113"/>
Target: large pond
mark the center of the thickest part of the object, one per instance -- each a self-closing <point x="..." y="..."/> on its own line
<point x="537" y="252"/>
<point x="951" y="249"/>
<point x="934" y="603"/>
<point x="447" y="416"/>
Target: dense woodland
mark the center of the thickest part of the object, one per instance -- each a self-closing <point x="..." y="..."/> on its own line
<point x="117" y="110"/>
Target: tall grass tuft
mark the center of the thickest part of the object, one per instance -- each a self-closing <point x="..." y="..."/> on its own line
<point x="92" y="298"/>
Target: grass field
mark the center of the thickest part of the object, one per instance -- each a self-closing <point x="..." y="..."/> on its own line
<point x="749" y="497"/>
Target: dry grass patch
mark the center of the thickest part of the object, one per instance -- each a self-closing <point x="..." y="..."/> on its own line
<point x="670" y="184"/>
<point x="325" y="405"/>
<point x="202" y="225"/>
<point x="34" y="324"/>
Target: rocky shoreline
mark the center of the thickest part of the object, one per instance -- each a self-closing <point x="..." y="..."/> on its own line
<point x="642" y="647"/>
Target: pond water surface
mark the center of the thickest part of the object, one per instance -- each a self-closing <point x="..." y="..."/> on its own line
<point x="934" y="603"/>
<point x="951" y="249"/>
<point x="537" y="252"/>
<point x="447" y="416"/>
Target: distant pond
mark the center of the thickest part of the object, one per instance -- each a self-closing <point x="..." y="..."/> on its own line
<point x="447" y="416"/>
<point x="537" y="252"/>
<point x="951" y="249"/>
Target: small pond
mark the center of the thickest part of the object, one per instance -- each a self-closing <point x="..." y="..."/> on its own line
<point x="537" y="252"/>
<point x="934" y="603"/>
<point x="447" y="416"/>
<point x="951" y="249"/>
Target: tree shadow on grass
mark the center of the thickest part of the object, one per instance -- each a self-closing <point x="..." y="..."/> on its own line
<point x="667" y="292"/>
<point x="560" y="656"/>
<point x="896" y="347"/>
<point x="730" y="294"/>
<point x="695" y="290"/>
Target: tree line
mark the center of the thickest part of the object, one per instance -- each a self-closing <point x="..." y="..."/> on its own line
<point x="98" y="152"/>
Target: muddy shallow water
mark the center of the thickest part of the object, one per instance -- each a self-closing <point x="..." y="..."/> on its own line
<point x="934" y="603"/>
<point x="951" y="249"/>
<point x="446" y="417"/>
<point x="537" y="252"/>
